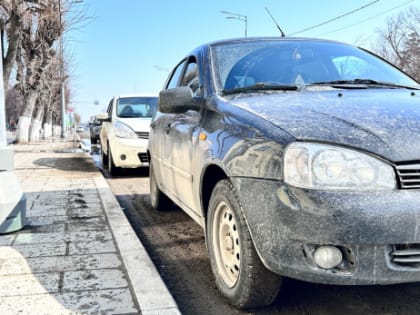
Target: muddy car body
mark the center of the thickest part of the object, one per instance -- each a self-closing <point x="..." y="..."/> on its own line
<point x="299" y="158"/>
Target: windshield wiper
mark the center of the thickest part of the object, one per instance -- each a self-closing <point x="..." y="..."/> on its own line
<point x="364" y="83"/>
<point x="261" y="86"/>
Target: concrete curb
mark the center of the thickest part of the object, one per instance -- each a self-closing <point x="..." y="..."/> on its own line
<point x="148" y="287"/>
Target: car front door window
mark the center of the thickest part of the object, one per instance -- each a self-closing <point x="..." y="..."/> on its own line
<point x="191" y="78"/>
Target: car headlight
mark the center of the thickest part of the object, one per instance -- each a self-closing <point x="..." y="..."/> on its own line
<point x="123" y="131"/>
<point x="321" y="166"/>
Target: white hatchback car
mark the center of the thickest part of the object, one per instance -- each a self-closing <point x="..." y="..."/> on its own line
<point x="125" y="131"/>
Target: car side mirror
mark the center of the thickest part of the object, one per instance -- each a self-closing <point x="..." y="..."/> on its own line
<point x="103" y="117"/>
<point x="178" y="100"/>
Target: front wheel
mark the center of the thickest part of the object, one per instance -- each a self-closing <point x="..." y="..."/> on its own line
<point x="112" y="169"/>
<point x="240" y="275"/>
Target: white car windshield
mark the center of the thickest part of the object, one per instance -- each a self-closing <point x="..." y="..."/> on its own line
<point x="136" y="107"/>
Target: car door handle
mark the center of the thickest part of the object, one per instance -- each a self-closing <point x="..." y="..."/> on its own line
<point x="167" y="128"/>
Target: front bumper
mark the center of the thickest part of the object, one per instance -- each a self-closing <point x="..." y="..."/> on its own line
<point x="287" y="224"/>
<point x="129" y="153"/>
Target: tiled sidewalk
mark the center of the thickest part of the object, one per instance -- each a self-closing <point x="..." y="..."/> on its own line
<point x="78" y="254"/>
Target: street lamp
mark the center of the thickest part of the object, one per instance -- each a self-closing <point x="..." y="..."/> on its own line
<point x="236" y="16"/>
<point x="63" y="96"/>
<point x="63" y="101"/>
<point x="160" y="68"/>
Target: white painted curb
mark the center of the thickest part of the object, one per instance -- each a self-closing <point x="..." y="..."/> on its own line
<point x="150" y="290"/>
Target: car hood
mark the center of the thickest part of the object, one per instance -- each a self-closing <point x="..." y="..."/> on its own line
<point x="385" y="122"/>
<point x="137" y="124"/>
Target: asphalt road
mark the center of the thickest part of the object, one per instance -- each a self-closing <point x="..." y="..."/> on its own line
<point x="176" y="245"/>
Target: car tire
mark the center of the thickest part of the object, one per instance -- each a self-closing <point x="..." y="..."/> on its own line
<point x="92" y="139"/>
<point x="104" y="157"/>
<point x="112" y="169"/>
<point x="158" y="199"/>
<point x="239" y="273"/>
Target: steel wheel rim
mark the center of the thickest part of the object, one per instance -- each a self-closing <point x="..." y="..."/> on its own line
<point x="226" y="244"/>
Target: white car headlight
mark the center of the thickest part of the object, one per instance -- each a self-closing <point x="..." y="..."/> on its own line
<point x="321" y="166"/>
<point x="123" y="131"/>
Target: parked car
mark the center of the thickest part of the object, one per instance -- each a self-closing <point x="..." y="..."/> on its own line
<point x="125" y="131"/>
<point x="298" y="157"/>
<point x="95" y="126"/>
<point x="81" y="128"/>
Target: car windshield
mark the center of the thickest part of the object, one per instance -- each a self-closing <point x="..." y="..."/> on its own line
<point x="238" y="65"/>
<point x="136" y="107"/>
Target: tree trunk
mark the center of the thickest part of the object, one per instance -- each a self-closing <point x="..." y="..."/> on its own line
<point x="48" y="132"/>
<point x="22" y="135"/>
<point x="35" y="130"/>
<point x="22" y="131"/>
<point x="56" y="130"/>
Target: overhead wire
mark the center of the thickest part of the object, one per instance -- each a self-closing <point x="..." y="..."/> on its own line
<point x="336" y="18"/>
<point x="367" y="19"/>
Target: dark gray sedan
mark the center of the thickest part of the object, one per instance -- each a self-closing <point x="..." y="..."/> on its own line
<point x="298" y="157"/>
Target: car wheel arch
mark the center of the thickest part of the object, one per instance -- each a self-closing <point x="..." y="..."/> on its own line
<point x="211" y="175"/>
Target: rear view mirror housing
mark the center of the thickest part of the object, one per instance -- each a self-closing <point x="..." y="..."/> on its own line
<point x="103" y="117"/>
<point x="178" y="100"/>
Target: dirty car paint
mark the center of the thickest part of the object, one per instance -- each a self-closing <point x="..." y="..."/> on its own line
<point x="244" y="137"/>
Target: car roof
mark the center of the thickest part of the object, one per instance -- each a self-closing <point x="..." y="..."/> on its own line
<point x="263" y="38"/>
<point x="135" y="95"/>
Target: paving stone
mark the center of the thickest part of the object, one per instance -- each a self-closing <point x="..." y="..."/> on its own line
<point x="46" y="220"/>
<point x="37" y="206"/>
<point x="40" y="238"/>
<point x="115" y="301"/>
<point x="18" y="285"/>
<point x="94" y="280"/>
<point x="6" y="239"/>
<point x="53" y="197"/>
<point x="89" y="199"/>
<point x="56" y="228"/>
<point x="91" y="248"/>
<point x="40" y="250"/>
<point x="89" y="212"/>
<point x="88" y="224"/>
<point x="46" y="213"/>
<point x="20" y="265"/>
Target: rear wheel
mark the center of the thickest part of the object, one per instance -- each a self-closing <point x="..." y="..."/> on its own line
<point x="158" y="199"/>
<point x="240" y="275"/>
<point x="112" y="169"/>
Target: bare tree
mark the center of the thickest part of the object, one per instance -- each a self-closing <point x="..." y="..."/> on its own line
<point x="399" y="42"/>
<point x="39" y="32"/>
<point x="10" y="28"/>
<point x="31" y="34"/>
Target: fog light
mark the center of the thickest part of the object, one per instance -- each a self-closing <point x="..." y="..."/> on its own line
<point x="123" y="157"/>
<point x="328" y="257"/>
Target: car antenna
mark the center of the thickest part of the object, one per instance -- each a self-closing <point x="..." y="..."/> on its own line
<point x="278" y="27"/>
